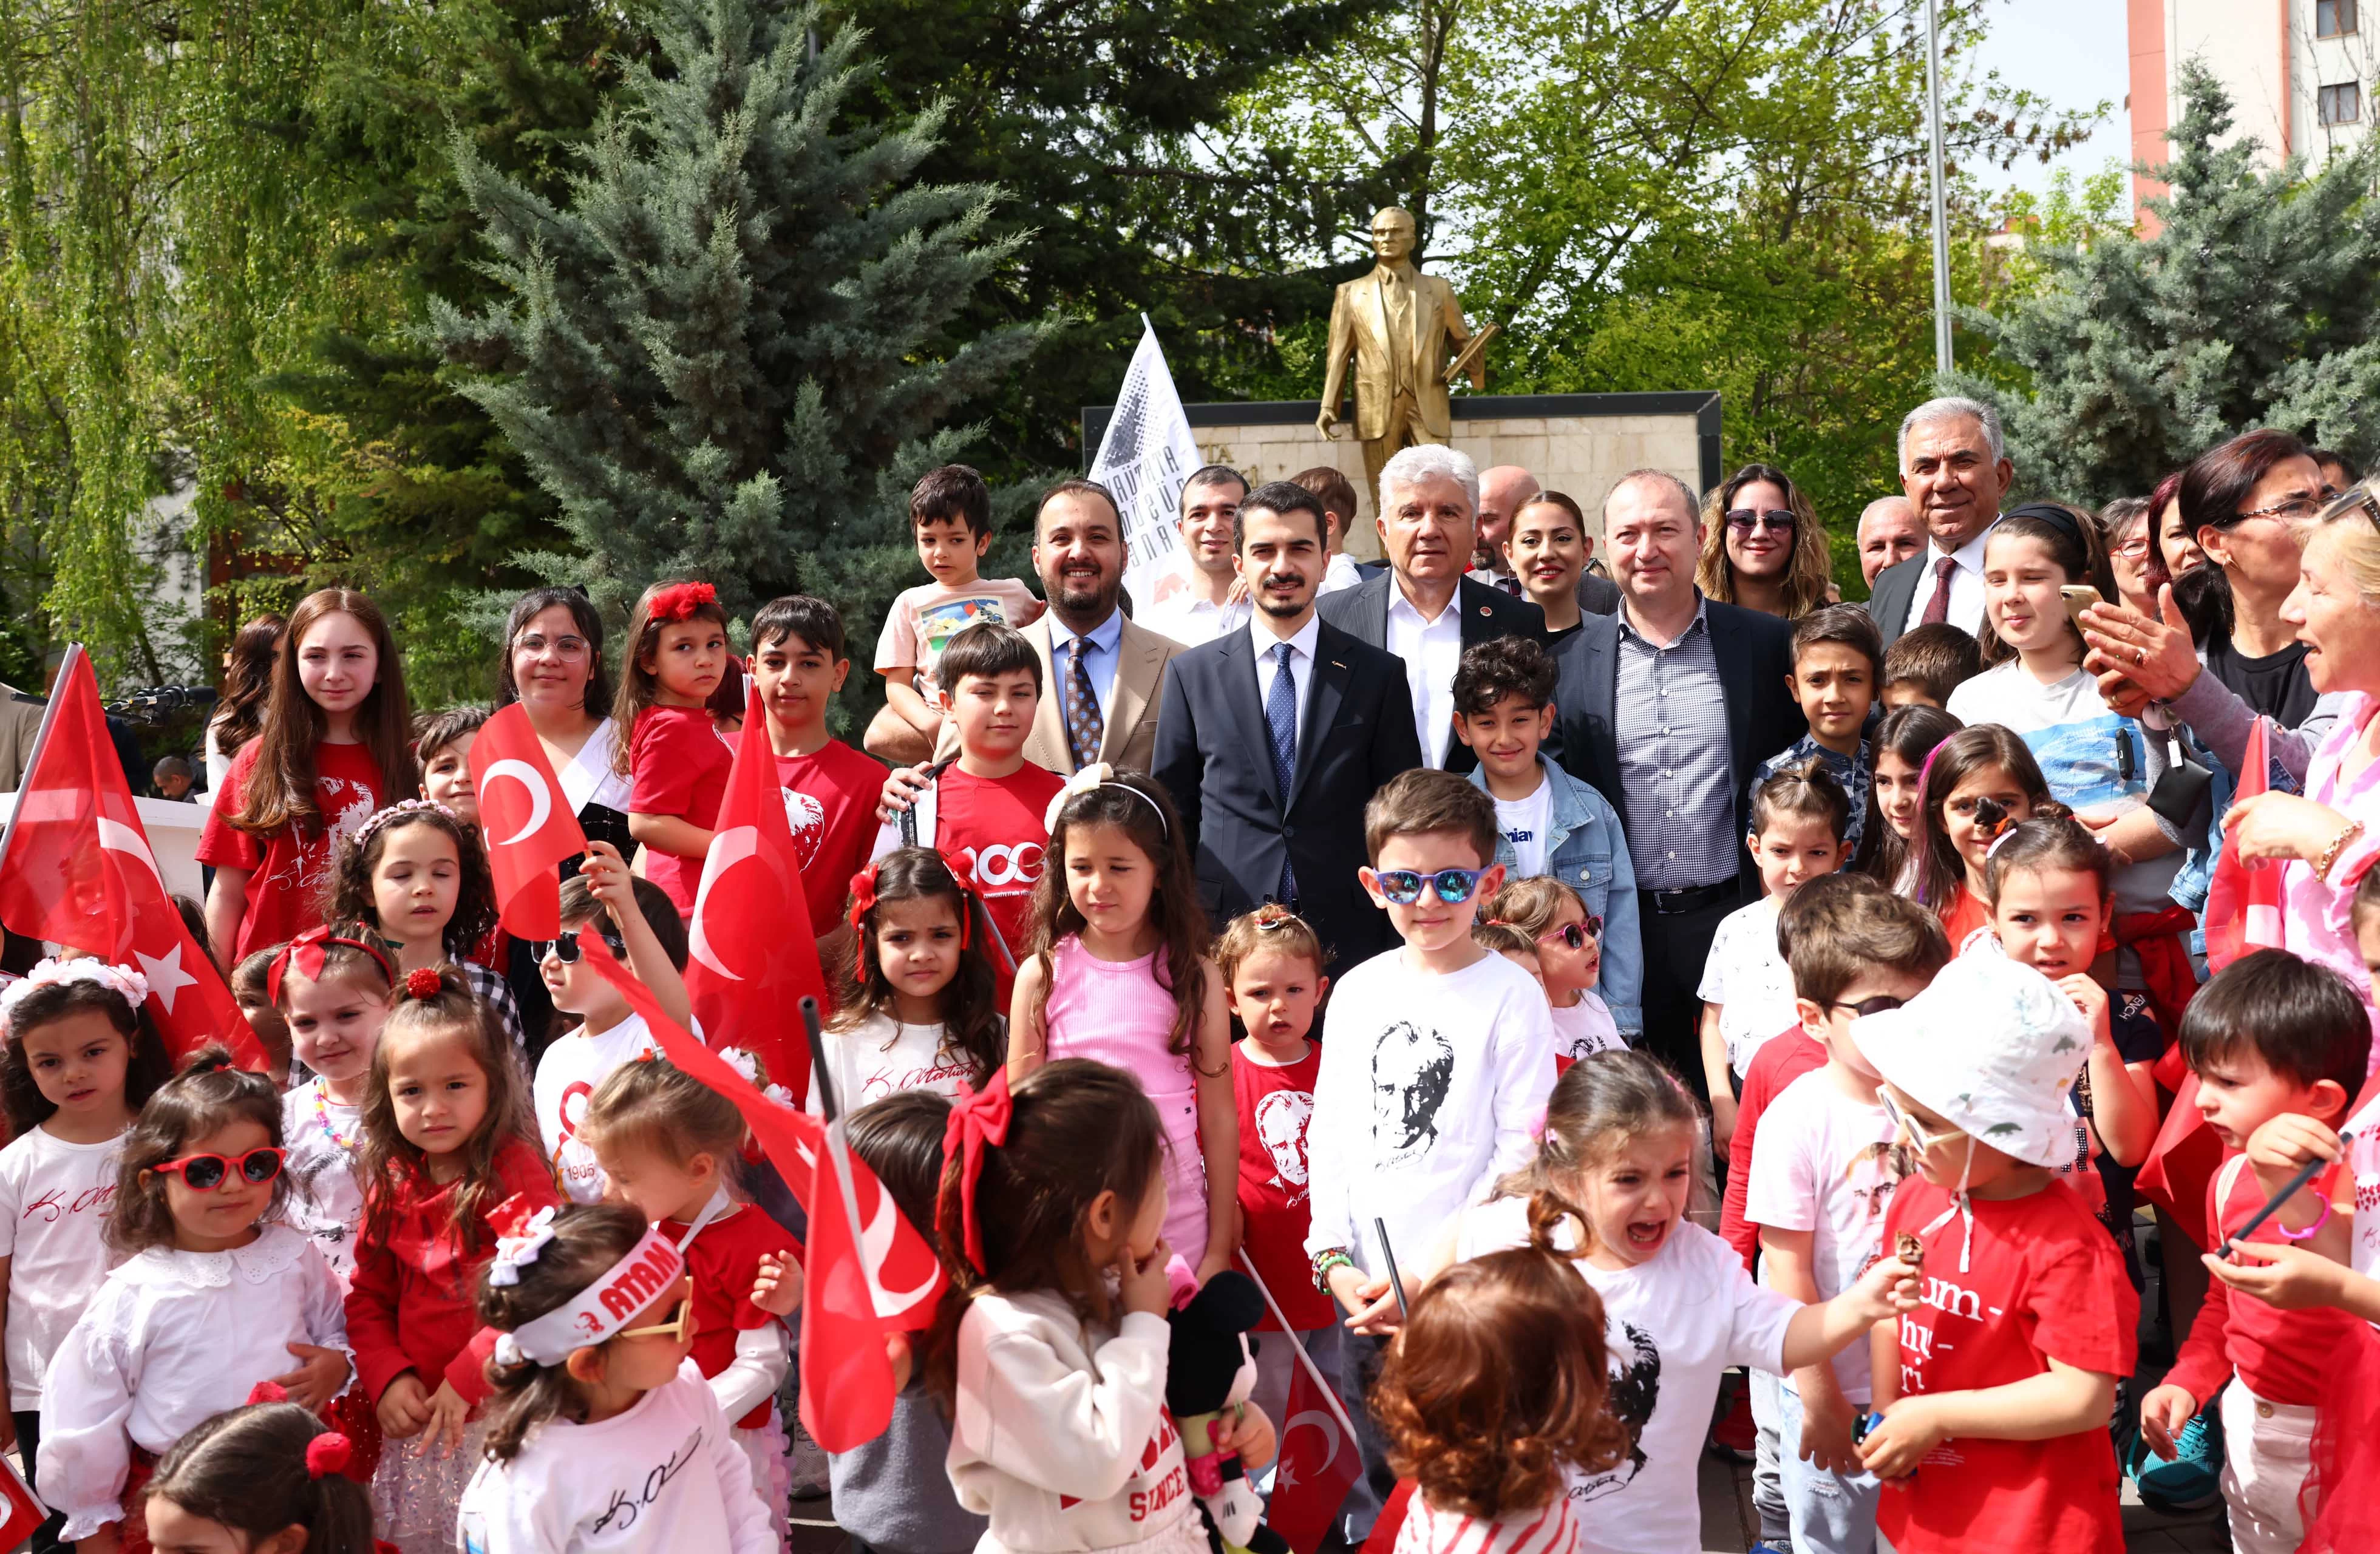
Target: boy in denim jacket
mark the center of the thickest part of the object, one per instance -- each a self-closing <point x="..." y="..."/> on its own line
<point x="1547" y="821"/>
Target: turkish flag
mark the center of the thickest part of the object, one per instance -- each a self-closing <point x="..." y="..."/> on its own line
<point x="79" y="872"/>
<point x="751" y="956"/>
<point x="869" y="1272"/>
<point x="2243" y="901"/>
<point x="529" y="827"/>
<point x="25" y="1513"/>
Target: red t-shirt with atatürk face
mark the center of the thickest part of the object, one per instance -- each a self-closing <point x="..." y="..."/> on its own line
<point x="288" y="868"/>
<point x="1275" y="1105"/>
<point x="2044" y="1281"/>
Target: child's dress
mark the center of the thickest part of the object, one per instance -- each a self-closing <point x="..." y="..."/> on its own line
<point x="1551" y="1528"/>
<point x="412" y="1306"/>
<point x="878" y="1056"/>
<point x="678" y="765"/>
<point x="1060" y="1434"/>
<point x="1116" y="1013"/>
<point x="660" y="1477"/>
<point x="741" y="1350"/>
<point x="1586" y="1028"/>
<point x="171" y="1338"/>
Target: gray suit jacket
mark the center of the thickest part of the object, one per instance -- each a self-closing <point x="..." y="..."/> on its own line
<point x="1598" y="596"/>
<point x="1486" y="612"/>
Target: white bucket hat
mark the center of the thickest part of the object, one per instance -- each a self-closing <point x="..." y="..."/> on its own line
<point x="1992" y="1047"/>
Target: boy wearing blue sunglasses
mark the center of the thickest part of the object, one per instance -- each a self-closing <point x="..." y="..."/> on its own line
<point x="1436" y="1060"/>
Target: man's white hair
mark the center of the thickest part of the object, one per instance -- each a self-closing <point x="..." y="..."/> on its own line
<point x="1421" y="462"/>
<point x="1950" y="408"/>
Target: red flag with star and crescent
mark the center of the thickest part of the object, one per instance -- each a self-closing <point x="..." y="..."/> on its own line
<point x="1319" y="1461"/>
<point x="530" y="828"/>
<point x="80" y="873"/>
<point x="751" y="950"/>
<point x="868" y="1273"/>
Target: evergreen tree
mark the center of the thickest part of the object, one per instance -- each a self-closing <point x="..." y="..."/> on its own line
<point x="2256" y="304"/>
<point x="727" y="356"/>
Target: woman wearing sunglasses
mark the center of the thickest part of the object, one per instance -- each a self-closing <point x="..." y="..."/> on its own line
<point x="215" y="1296"/>
<point x="1763" y="545"/>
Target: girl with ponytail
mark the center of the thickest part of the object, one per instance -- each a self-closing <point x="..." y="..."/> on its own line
<point x="1608" y="1188"/>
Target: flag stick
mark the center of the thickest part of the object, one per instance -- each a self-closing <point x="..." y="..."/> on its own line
<point x="2289" y="1189"/>
<point x="1329" y="1391"/>
<point x="41" y="742"/>
<point x="1387" y="1255"/>
<point x="827" y="1108"/>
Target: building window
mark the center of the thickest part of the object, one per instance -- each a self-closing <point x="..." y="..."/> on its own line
<point x="2333" y="19"/>
<point x="2340" y="104"/>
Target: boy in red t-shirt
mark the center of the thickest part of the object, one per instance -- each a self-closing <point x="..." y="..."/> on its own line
<point x="2270" y="1035"/>
<point x="1271" y="962"/>
<point x="1994" y="1394"/>
<point x="987" y="810"/>
<point x="798" y="664"/>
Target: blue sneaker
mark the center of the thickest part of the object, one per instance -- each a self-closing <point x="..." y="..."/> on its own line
<point x="2193" y="1480"/>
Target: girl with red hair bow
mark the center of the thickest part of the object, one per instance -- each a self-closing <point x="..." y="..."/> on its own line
<point x="674" y="759"/>
<point x="921" y="1013"/>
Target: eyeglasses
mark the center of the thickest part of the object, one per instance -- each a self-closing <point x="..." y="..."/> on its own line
<point x="1403" y="886"/>
<point x="1574" y="935"/>
<point x="1777" y="518"/>
<point x="2289" y="510"/>
<point x="566" y="948"/>
<point x="564" y="647"/>
<point x="675" y="1330"/>
<point x="2134" y="550"/>
<point x="204" y="1174"/>
<point x="1867" y="1007"/>
<point x="2355" y="499"/>
<point x="1908" y="1124"/>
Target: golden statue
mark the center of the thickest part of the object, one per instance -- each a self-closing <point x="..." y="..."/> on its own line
<point x="1400" y="325"/>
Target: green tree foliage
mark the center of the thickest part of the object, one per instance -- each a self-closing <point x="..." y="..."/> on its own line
<point x="1672" y="194"/>
<point x="2256" y="304"/>
<point x="1106" y="122"/>
<point x="729" y="353"/>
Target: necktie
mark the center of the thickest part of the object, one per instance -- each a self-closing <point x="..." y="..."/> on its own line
<point x="1280" y="724"/>
<point x="1937" y="609"/>
<point x="1084" y="725"/>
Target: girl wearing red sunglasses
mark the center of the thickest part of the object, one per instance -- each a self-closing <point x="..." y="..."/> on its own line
<point x="215" y="1296"/>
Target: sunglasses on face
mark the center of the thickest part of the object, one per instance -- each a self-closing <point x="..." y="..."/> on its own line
<point x="1867" y="1007"/>
<point x="204" y="1174"/>
<point x="1574" y="935"/>
<point x="675" y="1330"/>
<point x="1403" y="886"/>
<point x="565" y="949"/>
<point x="1907" y="1124"/>
<point x="1777" y="520"/>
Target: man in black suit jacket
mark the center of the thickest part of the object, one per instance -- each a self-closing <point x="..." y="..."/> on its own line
<point x="1955" y="468"/>
<point x="1429" y="496"/>
<point x="1669" y="708"/>
<point x="1253" y="837"/>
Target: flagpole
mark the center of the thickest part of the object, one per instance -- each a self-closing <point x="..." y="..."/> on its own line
<point x="41" y="742"/>
<point x="1313" y="1371"/>
<point x="811" y="1028"/>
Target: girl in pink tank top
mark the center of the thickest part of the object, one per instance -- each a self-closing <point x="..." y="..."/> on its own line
<point x="1117" y="972"/>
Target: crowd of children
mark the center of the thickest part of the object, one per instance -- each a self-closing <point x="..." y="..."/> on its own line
<point x="454" y="1277"/>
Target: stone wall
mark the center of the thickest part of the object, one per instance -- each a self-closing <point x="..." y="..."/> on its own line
<point x="1580" y="443"/>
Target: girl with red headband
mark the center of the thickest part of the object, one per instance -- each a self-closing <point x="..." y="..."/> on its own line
<point x="921" y="1014"/>
<point x="264" y="1479"/>
<point x="1051" y="1346"/>
<point x="446" y="1140"/>
<point x="674" y="758"/>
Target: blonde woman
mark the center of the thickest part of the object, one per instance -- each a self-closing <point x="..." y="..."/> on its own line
<point x="1763" y="545"/>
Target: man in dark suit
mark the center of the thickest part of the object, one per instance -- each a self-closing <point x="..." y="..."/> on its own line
<point x="1669" y="708"/>
<point x="1955" y="468"/>
<point x="1429" y="496"/>
<point x="1271" y="737"/>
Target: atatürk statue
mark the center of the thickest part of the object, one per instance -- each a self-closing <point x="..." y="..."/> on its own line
<point x="1400" y="325"/>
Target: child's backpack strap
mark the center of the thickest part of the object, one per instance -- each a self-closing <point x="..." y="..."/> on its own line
<point x="917" y="822"/>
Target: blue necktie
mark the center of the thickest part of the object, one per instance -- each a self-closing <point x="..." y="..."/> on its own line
<point x="1281" y="719"/>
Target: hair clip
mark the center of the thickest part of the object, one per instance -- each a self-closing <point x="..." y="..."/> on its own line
<point x="422" y="982"/>
<point x="518" y="1246"/>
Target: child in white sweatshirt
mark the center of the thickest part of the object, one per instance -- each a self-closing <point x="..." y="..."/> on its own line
<point x="1052" y="1214"/>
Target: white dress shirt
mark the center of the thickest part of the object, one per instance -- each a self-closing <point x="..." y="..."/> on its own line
<point x="1432" y="651"/>
<point x="1301" y="663"/>
<point x="1192" y="618"/>
<point x="1966" y="584"/>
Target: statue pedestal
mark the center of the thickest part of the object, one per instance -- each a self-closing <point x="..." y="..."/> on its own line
<point x="1577" y="443"/>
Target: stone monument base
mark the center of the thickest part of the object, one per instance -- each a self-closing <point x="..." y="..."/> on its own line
<point x="1577" y="443"/>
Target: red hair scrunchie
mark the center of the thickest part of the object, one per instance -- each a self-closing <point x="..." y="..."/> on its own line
<point x="422" y="982"/>
<point x="328" y="1454"/>
<point x="863" y="902"/>
<point x="978" y="1118"/>
<point x="680" y="600"/>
